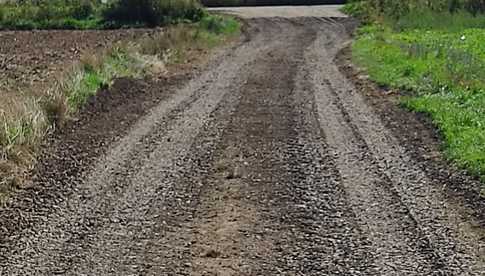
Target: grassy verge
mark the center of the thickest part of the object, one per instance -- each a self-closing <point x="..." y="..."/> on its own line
<point x="147" y="57"/>
<point x="23" y="128"/>
<point x="439" y="58"/>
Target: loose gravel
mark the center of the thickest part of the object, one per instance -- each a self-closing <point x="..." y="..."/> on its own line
<point x="268" y="163"/>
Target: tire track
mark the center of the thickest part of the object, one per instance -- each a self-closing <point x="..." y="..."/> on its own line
<point x="63" y="237"/>
<point x="234" y="228"/>
<point x="375" y="169"/>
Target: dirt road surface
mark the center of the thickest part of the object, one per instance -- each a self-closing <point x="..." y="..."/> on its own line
<point x="283" y="11"/>
<point x="269" y="162"/>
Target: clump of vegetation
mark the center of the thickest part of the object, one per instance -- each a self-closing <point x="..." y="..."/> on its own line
<point x="153" y="12"/>
<point x="52" y="14"/>
<point x="173" y="45"/>
<point x="438" y="55"/>
<point x="93" y="14"/>
<point x="146" y="57"/>
<point x="395" y="9"/>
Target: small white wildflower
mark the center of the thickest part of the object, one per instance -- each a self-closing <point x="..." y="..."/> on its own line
<point x="463" y="37"/>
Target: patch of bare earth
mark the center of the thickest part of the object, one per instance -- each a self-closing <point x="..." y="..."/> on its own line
<point x="36" y="58"/>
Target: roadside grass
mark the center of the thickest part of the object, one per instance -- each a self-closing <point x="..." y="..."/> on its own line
<point x="357" y="9"/>
<point x="439" y="58"/>
<point x="26" y="119"/>
<point x="22" y="126"/>
<point x="444" y="21"/>
<point x="174" y="44"/>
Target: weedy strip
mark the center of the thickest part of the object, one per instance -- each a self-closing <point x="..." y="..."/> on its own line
<point x="24" y="126"/>
<point x="438" y="57"/>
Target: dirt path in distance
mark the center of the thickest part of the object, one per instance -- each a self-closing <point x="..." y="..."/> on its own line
<point x="282" y="11"/>
<point x="270" y="162"/>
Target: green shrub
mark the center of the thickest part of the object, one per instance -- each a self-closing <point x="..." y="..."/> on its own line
<point x="82" y="14"/>
<point x="131" y="11"/>
<point x="219" y="24"/>
<point x="153" y="12"/>
<point x="83" y="10"/>
<point x="395" y="9"/>
<point x="358" y="9"/>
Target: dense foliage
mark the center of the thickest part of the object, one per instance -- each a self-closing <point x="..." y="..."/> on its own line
<point x="87" y="14"/>
<point x="395" y="9"/>
<point x="64" y="14"/>
<point x="436" y="54"/>
<point x="153" y="12"/>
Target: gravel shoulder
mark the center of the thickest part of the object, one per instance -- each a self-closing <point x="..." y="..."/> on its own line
<point x="270" y="161"/>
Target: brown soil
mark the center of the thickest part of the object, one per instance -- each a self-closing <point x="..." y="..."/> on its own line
<point x="36" y="58"/>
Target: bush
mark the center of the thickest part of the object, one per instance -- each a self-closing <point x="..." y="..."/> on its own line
<point x="358" y="9"/>
<point x="83" y="14"/>
<point x="219" y="25"/>
<point x="83" y="10"/>
<point x="131" y="11"/>
<point x="2" y="14"/>
<point x="58" y="14"/>
<point x="153" y="12"/>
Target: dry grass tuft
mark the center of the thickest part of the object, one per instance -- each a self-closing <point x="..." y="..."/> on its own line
<point x="23" y="126"/>
<point x="170" y="44"/>
<point x="55" y="106"/>
<point x="92" y="61"/>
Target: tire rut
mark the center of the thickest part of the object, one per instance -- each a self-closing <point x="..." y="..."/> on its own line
<point x="54" y="245"/>
<point x="409" y="221"/>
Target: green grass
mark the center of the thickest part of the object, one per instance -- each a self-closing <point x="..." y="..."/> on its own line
<point x="444" y="69"/>
<point x="89" y="14"/>
<point x="92" y="75"/>
<point x="445" y="21"/>
<point x="356" y="9"/>
<point x="53" y="14"/>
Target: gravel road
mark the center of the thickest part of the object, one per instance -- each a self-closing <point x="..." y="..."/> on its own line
<point x="269" y="162"/>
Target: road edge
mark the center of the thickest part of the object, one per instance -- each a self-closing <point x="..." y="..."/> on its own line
<point x="420" y="137"/>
